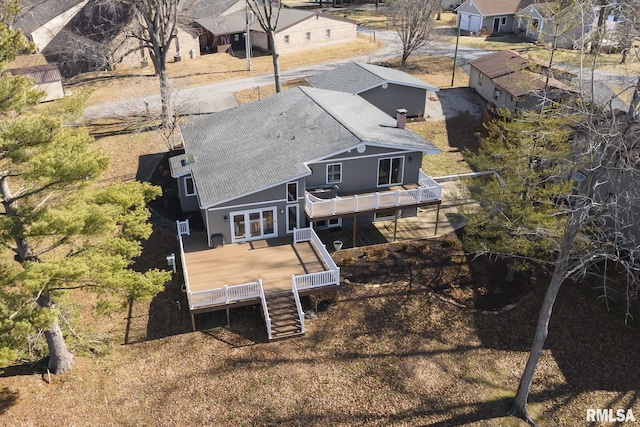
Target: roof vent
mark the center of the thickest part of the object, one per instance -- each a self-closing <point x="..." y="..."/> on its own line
<point x="188" y="159"/>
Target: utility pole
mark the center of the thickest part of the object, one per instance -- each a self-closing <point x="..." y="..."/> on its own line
<point x="455" y="55"/>
<point x="247" y="42"/>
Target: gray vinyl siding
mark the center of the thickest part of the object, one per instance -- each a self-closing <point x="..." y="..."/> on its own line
<point x="396" y="96"/>
<point x="361" y="174"/>
<point x="188" y="203"/>
<point x="270" y="197"/>
<point x="217" y="224"/>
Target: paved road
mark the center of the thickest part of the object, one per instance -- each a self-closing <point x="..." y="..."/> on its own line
<point x="219" y="96"/>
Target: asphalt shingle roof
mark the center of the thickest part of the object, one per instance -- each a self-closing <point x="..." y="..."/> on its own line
<point x="500" y="7"/>
<point x="46" y="73"/>
<point x="36" y="13"/>
<point x="261" y="144"/>
<point x="499" y="63"/>
<point x="356" y="77"/>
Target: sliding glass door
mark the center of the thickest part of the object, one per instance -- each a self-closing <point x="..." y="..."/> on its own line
<point x="253" y="225"/>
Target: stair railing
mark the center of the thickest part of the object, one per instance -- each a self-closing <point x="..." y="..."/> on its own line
<point x="265" y="310"/>
<point x="294" y="289"/>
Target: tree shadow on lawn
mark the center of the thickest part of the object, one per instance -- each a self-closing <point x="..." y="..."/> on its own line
<point x="593" y="350"/>
<point x="8" y="398"/>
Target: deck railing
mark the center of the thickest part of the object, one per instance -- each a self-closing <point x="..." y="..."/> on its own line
<point x="226" y="294"/>
<point x="185" y="273"/>
<point x="265" y="310"/>
<point x="322" y="278"/>
<point x="427" y="190"/>
<point x="296" y="295"/>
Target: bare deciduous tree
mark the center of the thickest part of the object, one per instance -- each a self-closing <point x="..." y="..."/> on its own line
<point x="268" y="12"/>
<point x="157" y="25"/>
<point x="413" y="20"/>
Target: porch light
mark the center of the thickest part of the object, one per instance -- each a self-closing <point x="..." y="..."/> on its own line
<point x="281" y="211"/>
<point x="226" y="218"/>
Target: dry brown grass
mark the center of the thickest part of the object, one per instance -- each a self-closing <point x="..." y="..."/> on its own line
<point x="131" y="83"/>
<point x="451" y="137"/>
<point x="259" y="92"/>
<point x="383" y="356"/>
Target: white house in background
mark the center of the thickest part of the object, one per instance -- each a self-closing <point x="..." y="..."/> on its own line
<point x="570" y="25"/>
<point x="494" y="16"/>
<point x="300" y="30"/>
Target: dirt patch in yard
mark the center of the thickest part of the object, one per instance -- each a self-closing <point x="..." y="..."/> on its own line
<point x="439" y="266"/>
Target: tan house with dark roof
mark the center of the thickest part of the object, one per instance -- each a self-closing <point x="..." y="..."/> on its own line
<point x="511" y="81"/>
<point x="47" y="78"/>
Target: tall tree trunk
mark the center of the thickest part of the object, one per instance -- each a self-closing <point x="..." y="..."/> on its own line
<point x="276" y="61"/>
<point x="165" y="94"/>
<point x="519" y="408"/>
<point x="602" y="19"/>
<point x="60" y="359"/>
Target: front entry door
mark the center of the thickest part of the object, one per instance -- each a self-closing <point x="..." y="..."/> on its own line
<point x="253" y="225"/>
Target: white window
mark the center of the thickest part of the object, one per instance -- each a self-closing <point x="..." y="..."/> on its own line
<point x="480" y="79"/>
<point x="390" y="171"/>
<point x="307" y="36"/>
<point x="236" y="37"/>
<point x="503" y="20"/>
<point x="334" y="173"/>
<point x="328" y="223"/>
<point x="327" y="34"/>
<point x="189" y="187"/>
<point x="292" y="192"/>
<point x="286" y="39"/>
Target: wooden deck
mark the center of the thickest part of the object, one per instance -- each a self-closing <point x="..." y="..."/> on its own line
<point x="422" y="226"/>
<point x="273" y="261"/>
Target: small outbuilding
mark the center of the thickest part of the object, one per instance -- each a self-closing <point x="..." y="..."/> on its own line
<point x="386" y="88"/>
<point x="47" y="78"/>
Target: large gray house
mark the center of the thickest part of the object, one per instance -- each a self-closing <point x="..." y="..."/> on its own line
<point x="386" y="88"/>
<point x="282" y="167"/>
<point x="306" y="157"/>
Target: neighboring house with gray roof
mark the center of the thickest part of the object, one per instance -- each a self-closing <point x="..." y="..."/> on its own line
<point x="386" y="88"/>
<point x="222" y="28"/>
<point x="492" y="16"/>
<point x="310" y="156"/>
<point x="300" y="30"/>
<point x="42" y="20"/>
<point x="46" y="78"/>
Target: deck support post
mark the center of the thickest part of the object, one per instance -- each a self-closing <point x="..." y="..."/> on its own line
<point x="395" y="225"/>
<point x="355" y="222"/>
<point x="437" y="219"/>
<point x="228" y="319"/>
<point x="193" y="322"/>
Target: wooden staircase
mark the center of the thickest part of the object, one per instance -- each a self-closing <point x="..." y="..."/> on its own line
<point x="285" y="321"/>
